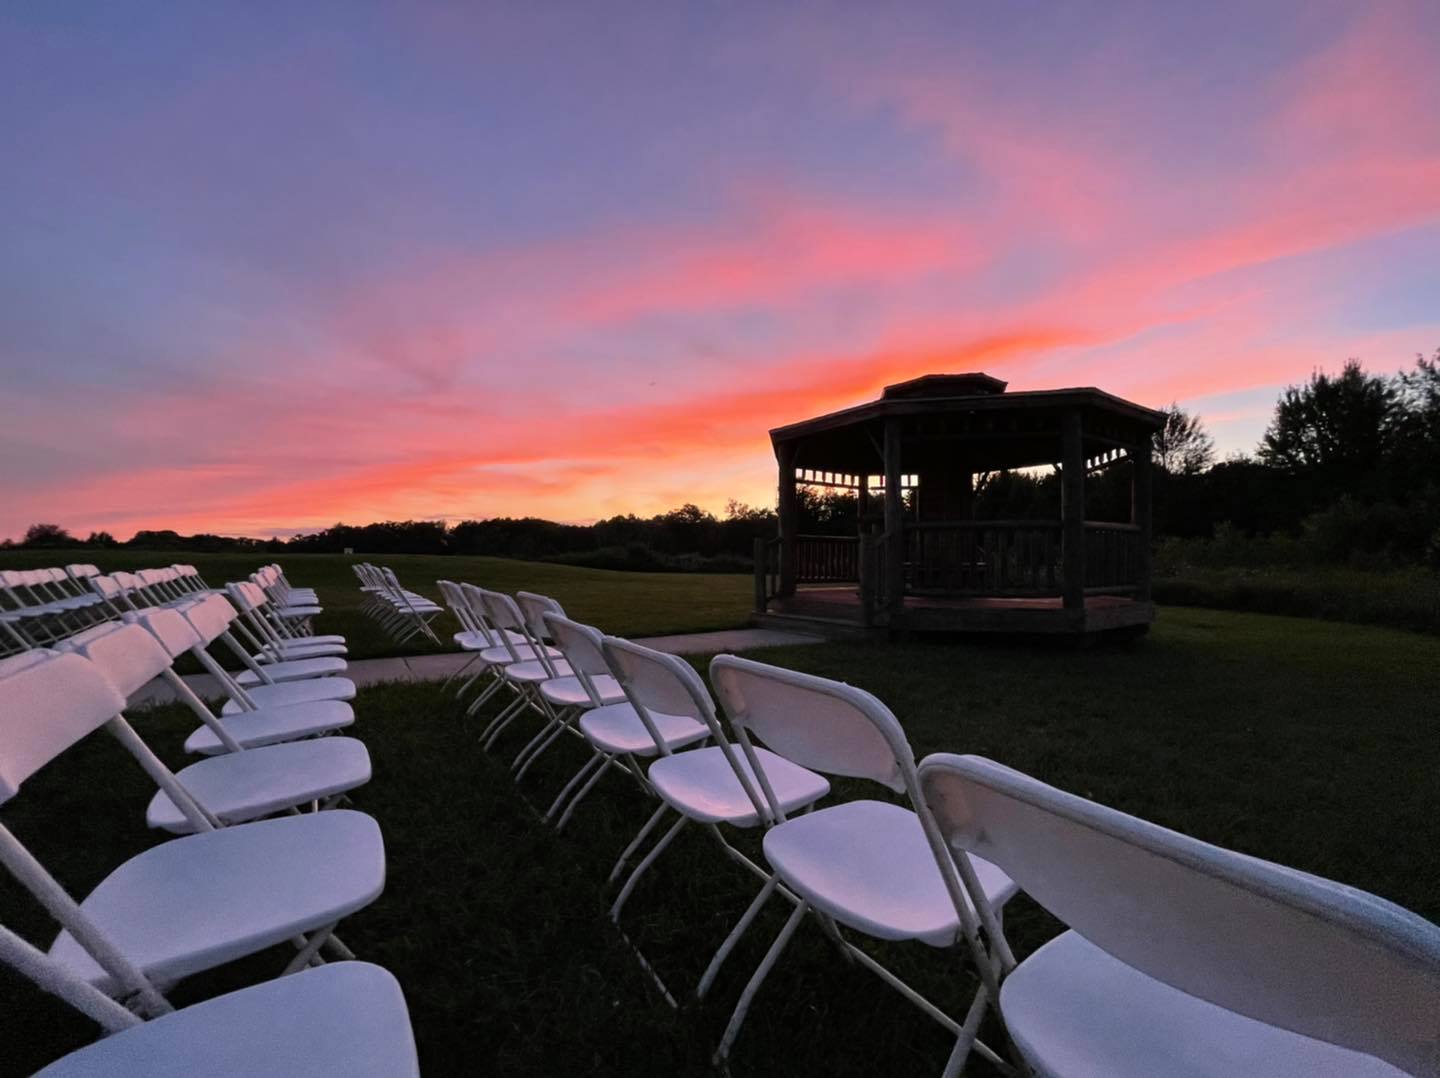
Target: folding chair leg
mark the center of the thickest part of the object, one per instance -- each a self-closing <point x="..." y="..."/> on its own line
<point x="741" y="927"/>
<point x="595" y="761"/>
<point x="644" y="865"/>
<point x="635" y="842"/>
<point x="500" y="721"/>
<point x="310" y="952"/>
<point x="606" y="761"/>
<point x="969" y="1030"/>
<point x="737" y="1019"/>
<point x="480" y="701"/>
<point x="456" y="673"/>
<point x="550" y="740"/>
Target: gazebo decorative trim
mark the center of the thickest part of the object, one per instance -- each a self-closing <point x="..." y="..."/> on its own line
<point x="933" y="565"/>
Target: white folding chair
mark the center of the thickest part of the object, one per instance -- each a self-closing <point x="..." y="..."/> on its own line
<point x="262" y="714"/>
<point x="708" y="786"/>
<point x="268" y="637"/>
<point x="619" y="733"/>
<point x="38" y="612"/>
<point x="274" y="663"/>
<point x="405" y="613"/>
<point x="238" y="785"/>
<point x="474" y="635"/>
<point x="521" y="668"/>
<point x="1183" y="958"/>
<point x="505" y="646"/>
<point x="285" y="608"/>
<point x="284" y="593"/>
<point x="192" y="903"/>
<point x="863" y="864"/>
<point x="346" y="1020"/>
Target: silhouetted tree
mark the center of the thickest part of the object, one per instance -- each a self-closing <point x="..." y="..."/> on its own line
<point x="1336" y="431"/>
<point x="1183" y="446"/>
<point x="46" y="535"/>
<point x="104" y="539"/>
<point x="1417" y="434"/>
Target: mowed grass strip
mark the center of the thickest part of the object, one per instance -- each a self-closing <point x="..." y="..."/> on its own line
<point x="631" y="604"/>
<point x="1306" y="742"/>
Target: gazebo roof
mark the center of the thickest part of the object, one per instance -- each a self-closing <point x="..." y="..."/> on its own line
<point x="998" y="429"/>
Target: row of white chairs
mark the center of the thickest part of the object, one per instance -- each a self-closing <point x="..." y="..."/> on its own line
<point x="250" y="870"/>
<point x="39" y="607"/>
<point x="1180" y="958"/>
<point x="401" y="613"/>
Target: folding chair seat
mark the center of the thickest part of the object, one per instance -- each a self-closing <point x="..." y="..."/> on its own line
<point x="1183" y="958"/>
<point x="295" y="670"/>
<point x="346" y="1020"/>
<point x="291" y="693"/>
<point x="262" y="781"/>
<point x="865" y="865"/>
<point x="194" y="902"/>
<point x="273" y="726"/>
<point x="701" y="784"/>
<point x="238" y="785"/>
<point x="200" y="901"/>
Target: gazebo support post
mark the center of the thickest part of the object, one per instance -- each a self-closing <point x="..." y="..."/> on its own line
<point x="1072" y="515"/>
<point x="894" y="560"/>
<point x="1140" y="516"/>
<point x="789" y="512"/>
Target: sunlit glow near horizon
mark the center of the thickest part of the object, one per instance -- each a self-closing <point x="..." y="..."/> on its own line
<point x="357" y="262"/>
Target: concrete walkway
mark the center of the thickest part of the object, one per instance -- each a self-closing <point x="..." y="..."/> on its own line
<point x="438" y="667"/>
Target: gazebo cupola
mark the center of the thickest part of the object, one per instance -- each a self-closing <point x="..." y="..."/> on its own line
<point x="919" y="559"/>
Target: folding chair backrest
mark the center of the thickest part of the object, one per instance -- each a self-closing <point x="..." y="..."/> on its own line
<point x="13" y="664"/>
<point x="128" y="655"/>
<point x="245" y="595"/>
<point x="534" y="608"/>
<point x="129" y="583"/>
<point x="502" y="610"/>
<point x="82" y="572"/>
<point x="107" y="587"/>
<point x="473" y="600"/>
<point x="580" y="644"/>
<point x="168" y="627"/>
<point x="660" y="683"/>
<point x="1265" y="941"/>
<point x="151" y="577"/>
<point x="44" y="709"/>
<point x="210" y="617"/>
<point x="821" y="724"/>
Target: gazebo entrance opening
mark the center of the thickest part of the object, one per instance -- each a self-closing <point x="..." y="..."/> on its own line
<point x="918" y="559"/>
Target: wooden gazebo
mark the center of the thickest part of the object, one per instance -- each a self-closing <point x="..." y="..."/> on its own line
<point x="919" y="560"/>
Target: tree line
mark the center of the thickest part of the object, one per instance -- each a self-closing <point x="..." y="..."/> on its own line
<point x="1348" y="470"/>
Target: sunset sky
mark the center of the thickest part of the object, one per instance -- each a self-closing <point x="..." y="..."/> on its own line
<point x="270" y="266"/>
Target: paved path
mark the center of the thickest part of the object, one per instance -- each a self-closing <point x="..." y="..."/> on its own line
<point x="438" y="667"/>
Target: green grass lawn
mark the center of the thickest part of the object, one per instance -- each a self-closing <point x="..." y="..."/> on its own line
<point x="1312" y="743"/>
<point x="1399" y="598"/>
<point x="632" y="604"/>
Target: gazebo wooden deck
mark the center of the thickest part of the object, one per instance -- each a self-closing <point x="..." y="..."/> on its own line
<point x="922" y="562"/>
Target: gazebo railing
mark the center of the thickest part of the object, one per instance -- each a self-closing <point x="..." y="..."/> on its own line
<point x="1112" y="557"/>
<point x="827" y="559"/>
<point x="1014" y="558"/>
<point x="983" y="557"/>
